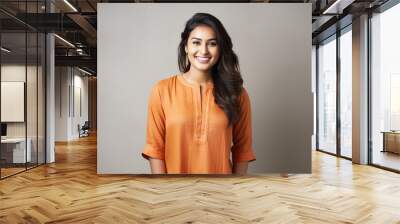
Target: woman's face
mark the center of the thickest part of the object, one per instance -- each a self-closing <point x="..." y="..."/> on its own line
<point x="202" y="48"/>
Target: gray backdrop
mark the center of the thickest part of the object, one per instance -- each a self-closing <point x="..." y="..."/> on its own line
<point x="137" y="46"/>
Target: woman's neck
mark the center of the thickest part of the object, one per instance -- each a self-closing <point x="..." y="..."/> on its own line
<point x="197" y="77"/>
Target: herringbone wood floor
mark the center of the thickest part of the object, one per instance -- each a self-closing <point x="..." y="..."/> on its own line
<point x="70" y="191"/>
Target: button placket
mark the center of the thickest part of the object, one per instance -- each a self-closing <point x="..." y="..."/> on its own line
<point x="198" y="117"/>
<point x="201" y="105"/>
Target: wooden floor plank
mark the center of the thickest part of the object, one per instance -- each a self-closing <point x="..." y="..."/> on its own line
<point x="70" y="191"/>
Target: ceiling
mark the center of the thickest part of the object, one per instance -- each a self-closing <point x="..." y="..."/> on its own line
<point x="76" y="20"/>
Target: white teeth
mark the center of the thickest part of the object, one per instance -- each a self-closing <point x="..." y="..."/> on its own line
<point x="203" y="59"/>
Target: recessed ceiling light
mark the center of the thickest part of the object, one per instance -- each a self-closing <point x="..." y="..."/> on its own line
<point x="70" y="5"/>
<point x="64" y="40"/>
<point x="338" y="6"/>
<point x="5" y="50"/>
<point x="84" y="71"/>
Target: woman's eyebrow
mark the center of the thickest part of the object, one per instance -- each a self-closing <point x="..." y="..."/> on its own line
<point x="196" y="38"/>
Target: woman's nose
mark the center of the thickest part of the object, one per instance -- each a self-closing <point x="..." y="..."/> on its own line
<point x="204" y="49"/>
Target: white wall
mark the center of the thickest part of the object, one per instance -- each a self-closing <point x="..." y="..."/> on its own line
<point x="33" y="127"/>
<point x="137" y="46"/>
<point x="79" y="117"/>
<point x="62" y="81"/>
<point x="12" y="73"/>
<point x="12" y="101"/>
<point x="314" y="92"/>
<point x="15" y="73"/>
<point x="67" y="117"/>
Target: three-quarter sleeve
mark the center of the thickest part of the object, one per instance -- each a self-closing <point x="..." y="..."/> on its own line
<point x="242" y="150"/>
<point x="155" y="135"/>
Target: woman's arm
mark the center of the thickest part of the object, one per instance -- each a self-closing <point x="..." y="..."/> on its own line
<point x="155" y="135"/>
<point x="157" y="166"/>
<point x="242" y="150"/>
<point x="240" y="168"/>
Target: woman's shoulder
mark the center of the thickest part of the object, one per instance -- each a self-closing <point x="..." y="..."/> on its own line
<point x="167" y="82"/>
<point x="244" y="96"/>
<point x="244" y="92"/>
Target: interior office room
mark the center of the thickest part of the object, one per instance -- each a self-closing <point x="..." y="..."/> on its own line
<point x="23" y="100"/>
<point x="49" y="154"/>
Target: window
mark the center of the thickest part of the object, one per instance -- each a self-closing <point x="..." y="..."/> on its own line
<point x="346" y="93"/>
<point x="327" y="96"/>
<point x="385" y="88"/>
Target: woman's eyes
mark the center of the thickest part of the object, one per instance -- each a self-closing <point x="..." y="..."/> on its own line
<point x="211" y="43"/>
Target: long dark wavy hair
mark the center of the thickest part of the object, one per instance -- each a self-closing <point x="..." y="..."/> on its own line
<point x="228" y="82"/>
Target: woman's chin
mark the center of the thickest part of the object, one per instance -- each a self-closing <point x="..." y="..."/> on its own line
<point x="203" y="68"/>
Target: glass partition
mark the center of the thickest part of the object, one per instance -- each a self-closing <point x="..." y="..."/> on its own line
<point x="32" y="95"/>
<point x="13" y="94"/>
<point x="41" y="107"/>
<point x="22" y="88"/>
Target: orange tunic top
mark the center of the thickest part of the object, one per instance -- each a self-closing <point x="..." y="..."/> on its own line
<point x="190" y="132"/>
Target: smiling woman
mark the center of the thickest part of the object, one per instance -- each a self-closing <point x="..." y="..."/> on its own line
<point x="199" y="121"/>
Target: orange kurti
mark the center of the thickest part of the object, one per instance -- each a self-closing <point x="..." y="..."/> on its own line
<point x="190" y="132"/>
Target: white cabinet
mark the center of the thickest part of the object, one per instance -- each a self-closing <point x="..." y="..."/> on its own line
<point x="18" y="149"/>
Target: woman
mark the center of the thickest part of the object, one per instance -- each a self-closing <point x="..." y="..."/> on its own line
<point x="195" y="117"/>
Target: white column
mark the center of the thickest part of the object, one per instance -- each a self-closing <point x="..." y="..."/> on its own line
<point x="50" y="92"/>
<point x="50" y="100"/>
<point x="360" y="90"/>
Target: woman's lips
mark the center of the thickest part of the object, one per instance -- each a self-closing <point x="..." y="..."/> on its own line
<point x="203" y="60"/>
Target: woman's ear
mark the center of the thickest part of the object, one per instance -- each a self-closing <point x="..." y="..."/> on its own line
<point x="186" y="50"/>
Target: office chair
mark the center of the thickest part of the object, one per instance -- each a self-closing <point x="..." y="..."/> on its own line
<point x="84" y="130"/>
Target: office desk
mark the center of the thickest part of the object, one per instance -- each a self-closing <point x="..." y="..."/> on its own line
<point x="13" y="150"/>
<point x="391" y="141"/>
